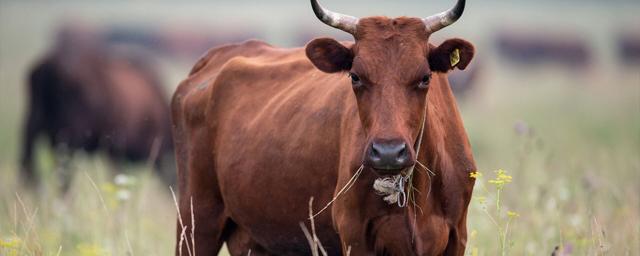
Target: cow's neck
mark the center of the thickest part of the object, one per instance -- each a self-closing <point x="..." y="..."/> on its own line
<point x="445" y="146"/>
<point x="445" y="150"/>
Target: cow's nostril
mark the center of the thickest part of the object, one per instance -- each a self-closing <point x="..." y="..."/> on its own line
<point x="403" y="150"/>
<point x="403" y="156"/>
<point x="375" y="152"/>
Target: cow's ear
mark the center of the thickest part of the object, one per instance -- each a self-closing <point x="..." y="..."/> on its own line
<point x="451" y="54"/>
<point x="328" y="55"/>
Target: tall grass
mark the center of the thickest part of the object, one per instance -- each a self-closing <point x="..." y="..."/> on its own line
<point x="573" y="154"/>
<point x="102" y="214"/>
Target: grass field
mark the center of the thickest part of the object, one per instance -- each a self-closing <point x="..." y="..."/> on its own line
<point x="569" y="140"/>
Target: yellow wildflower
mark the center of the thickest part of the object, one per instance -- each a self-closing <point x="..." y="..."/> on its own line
<point x="85" y="249"/>
<point x="497" y="182"/>
<point x="475" y="174"/>
<point x="474" y="251"/>
<point x="512" y="214"/>
<point x="501" y="178"/>
<point x="10" y="243"/>
<point x="10" y="246"/>
<point x="109" y="188"/>
<point x="473" y="234"/>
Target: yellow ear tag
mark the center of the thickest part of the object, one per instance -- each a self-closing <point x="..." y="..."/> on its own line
<point x="454" y="57"/>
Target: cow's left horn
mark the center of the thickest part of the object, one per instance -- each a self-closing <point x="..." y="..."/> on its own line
<point x="443" y="19"/>
<point x="340" y="21"/>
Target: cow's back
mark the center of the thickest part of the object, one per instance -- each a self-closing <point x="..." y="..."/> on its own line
<point x="141" y="117"/>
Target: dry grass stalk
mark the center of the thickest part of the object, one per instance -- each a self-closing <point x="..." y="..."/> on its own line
<point x="30" y="227"/>
<point x="344" y="189"/>
<point x="95" y="187"/>
<point x="126" y="237"/>
<point x="316" y="247"/>
<point x="183" y="235"/>
<point x="193" y="227"/>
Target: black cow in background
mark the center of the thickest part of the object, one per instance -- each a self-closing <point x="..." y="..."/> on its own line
<point x="86" y="95"/>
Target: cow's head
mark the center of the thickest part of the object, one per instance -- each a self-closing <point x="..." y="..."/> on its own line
<point x="391" y="66"/>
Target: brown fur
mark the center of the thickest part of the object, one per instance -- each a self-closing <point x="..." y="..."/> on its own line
<point x="259" y="130"/>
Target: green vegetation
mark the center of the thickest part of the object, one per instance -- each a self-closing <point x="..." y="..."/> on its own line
<point x="574" y="162"/>
<point x="102" y="214"/>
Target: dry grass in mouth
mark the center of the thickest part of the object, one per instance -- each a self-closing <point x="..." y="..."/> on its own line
<point x="343" y="190"/>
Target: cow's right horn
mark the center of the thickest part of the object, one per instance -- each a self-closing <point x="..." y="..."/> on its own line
<point x="443" y="19"/>
<point x="340" y="21"/>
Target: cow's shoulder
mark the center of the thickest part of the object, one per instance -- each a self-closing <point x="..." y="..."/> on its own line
<point x="224" y="66"/>
<point x="217" y="55"/>
<point x="210" y="64"/>
<point x="268" y="69"/>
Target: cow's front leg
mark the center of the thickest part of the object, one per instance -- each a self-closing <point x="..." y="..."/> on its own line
<point x="353" y="213"/>
<point x="352" y="235"/>
<point x="368" y="225"/>
<point x="383" y="235"/>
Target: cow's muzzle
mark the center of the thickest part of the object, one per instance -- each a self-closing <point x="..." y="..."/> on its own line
<point x="388" y="156"/>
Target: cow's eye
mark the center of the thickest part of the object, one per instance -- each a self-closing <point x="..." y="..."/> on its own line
<point x="424" y="82"/>
<point x="355" y="80"/>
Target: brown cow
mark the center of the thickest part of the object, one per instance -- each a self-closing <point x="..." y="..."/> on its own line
<point x="85" y="95"/>
<point x="260" y="130"/>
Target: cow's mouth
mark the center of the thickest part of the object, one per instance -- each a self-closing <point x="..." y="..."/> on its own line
<point x="385" y="171"/>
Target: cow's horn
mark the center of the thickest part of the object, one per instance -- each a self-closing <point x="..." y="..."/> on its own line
<point x="340" y="21"/>
<point x="443" y="19"/>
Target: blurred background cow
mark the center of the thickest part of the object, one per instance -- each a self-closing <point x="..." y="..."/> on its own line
<point x="543" y="47"/>
<point x="85" y="94"/>
<point x="629" y="47"/>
